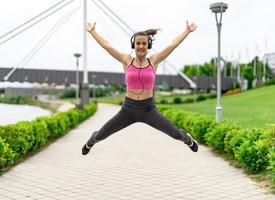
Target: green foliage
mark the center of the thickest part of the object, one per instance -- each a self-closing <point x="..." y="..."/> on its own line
<point x="69" y="93"/>
<point x="201" y="97"/>
<point x="270" y="135"/>
<point x="164" y="101"/>
<point x="191" y="70"/>
<point x="253" y="153"/>
<point x="6" y="154"/>
<point x="247" y="73"/>
<point x="270" y="81"/>
<point x="252" y="148"/>
<point x="207" y="69"/>
<point x="52" y="126"/>
<point x="233" y="140"/>
<point x="272" y="162"/>
<point x="15" y="100"/>
<point x="188" y="100"/>
<point x="211" y="96"/>
<point x="200" y="125"/>
<point x="177" y="100"/>
<point x="17" y="140"/>
<point x="216" y="137"/>
<point x="19" y="137"/>
<point x="194" y="123"/>
<point x="73" y="116"/>
<point x="40" y="135"/>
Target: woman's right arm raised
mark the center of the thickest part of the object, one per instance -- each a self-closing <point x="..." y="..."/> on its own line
<point x="121" y="57"/>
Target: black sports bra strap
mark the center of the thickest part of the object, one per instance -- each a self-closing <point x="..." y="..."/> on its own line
<point x="149" y="61"/>
<point x="132" y="61"/>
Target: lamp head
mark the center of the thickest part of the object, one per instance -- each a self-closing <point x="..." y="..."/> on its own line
<point x="77" y="55"/>
<point x="219" y="7"/>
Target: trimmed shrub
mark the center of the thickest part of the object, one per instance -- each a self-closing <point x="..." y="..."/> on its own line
<point x="201" y="98"/>
<point x="215" y="138"/>
<point x="233" y="140"/>
<point x="252" y="148"/>
<point x="40" y="134"/>
<point x="252" y="154"/>
<point x="17" y="140"/>
<point x="272" y="163"/>
<point x="211" y="96"/>
<point x="74" y="117"/>
<point x="188" y="100"/>
<point x="164" y="101"/>
<point x="6" y="154"/>
<point x="270" y="135"/>
<point x="19" y="137"/>
<point x="177" y="100"/>
<point x="270" y="82"/>
<point x="201" y="125"/>
<point x="52" y="126"/>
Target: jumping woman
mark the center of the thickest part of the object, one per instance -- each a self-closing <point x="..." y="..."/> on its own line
<point x="140" y="73"/>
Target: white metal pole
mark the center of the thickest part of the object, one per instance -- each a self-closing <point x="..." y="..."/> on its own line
<point x="85" y="83"/>
<point x="77" y="82"/>
<point x="219" y="107"/>
<point x="85" y="72"/>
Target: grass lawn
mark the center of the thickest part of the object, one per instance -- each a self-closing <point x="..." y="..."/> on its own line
<point x="250" y="109"/>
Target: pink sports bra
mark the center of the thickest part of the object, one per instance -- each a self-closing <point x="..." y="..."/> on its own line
<point x="139" y="78"/>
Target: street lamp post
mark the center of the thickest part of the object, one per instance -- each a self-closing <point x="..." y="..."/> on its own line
<point x="77" y="55"/>
<point x="94" y="77"/>
<point x="85" y="83"/>
<point x="219" y="8"/>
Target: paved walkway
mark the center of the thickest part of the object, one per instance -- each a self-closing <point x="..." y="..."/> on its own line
<point x="138" y="162"/>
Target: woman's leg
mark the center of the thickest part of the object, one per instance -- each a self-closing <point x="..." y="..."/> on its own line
<point x="121" y="120"/>
<point x="155" y="119"/>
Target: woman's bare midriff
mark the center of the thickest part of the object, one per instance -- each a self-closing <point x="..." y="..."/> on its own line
<point x="135" y="94"/>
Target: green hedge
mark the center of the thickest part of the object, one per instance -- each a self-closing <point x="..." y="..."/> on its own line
<point x="254" y="149"/>
<point x="20" y="139"/>
<point x="272" y="163"/>
<point x="16" y="100"/>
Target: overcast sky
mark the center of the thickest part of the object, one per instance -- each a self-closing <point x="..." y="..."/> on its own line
<point x="248" y="29"/>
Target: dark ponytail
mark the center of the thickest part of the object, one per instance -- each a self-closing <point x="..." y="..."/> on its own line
<point x="150" y="33"/>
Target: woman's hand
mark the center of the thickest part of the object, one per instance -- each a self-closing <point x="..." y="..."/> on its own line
<point x="190" y="27"/>
<point x="89" y="27"/>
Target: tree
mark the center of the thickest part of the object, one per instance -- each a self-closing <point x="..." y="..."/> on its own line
<point x="247" y="73"/>
<point x="207" y="69"/>
<point x="190" y="70"/>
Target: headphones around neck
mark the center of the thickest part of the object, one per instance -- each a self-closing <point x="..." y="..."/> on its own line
<point x="150" y="40"/>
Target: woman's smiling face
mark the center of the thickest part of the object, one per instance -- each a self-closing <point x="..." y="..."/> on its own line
<point x="141" y="45"/>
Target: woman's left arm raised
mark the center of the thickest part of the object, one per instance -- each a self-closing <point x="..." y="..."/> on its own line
<point x="163" y="54"/>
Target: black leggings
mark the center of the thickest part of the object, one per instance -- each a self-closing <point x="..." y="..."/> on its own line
<point x="140" y="111"/>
